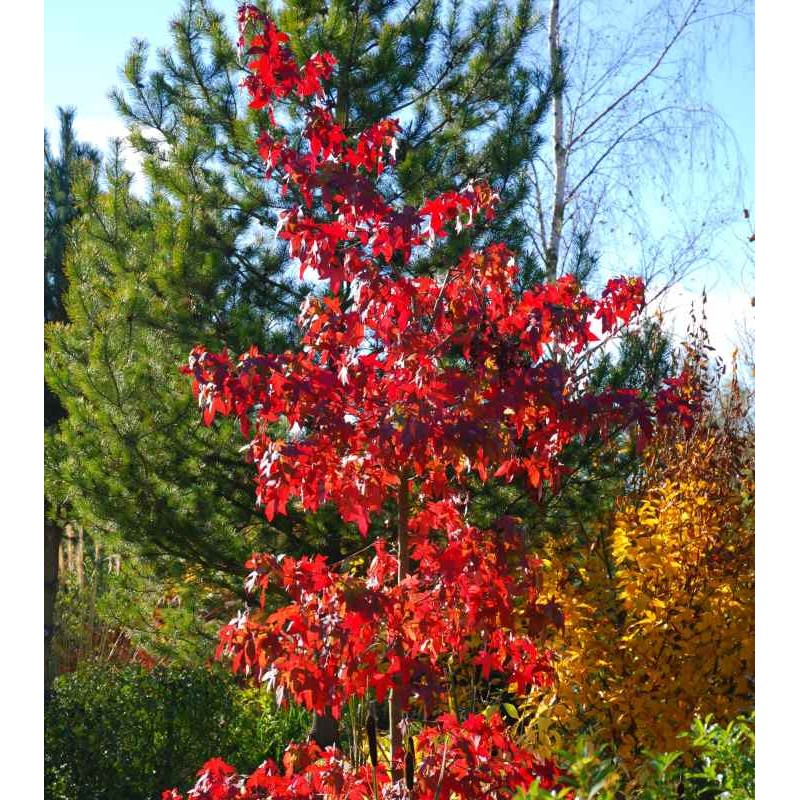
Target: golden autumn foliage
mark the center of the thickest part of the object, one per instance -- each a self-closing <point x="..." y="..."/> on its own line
<point x="658" y="600"/>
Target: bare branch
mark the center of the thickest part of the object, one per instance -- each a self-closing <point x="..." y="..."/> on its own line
<point x="610" y="149"/>
<point x="648" y="73"/>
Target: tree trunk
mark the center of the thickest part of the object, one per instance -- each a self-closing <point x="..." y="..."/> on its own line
<point x="69" y="541"/>
<point x="52" y="540"/>
<point x="98" y="560"/>
<point x="62" y="555"/>
<point x="79" y="557"/>
<point x="325" y="730"/>
<point x="395" y="734"/>
<point x="559" y="149"/>
<point x="325" y="727"/>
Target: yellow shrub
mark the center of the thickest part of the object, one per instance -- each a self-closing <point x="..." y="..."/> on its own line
<point x="659" y="604"/>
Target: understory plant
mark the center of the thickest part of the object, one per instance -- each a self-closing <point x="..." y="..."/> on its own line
<point x="716" y="762"/>
<point x="114" y="732"/>
<point x="659" y="596"/>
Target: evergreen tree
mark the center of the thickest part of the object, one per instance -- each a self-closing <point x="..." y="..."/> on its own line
<point x="151" y="276"/>
<point x="458" y="78"/>
<point x="60" y="209"/>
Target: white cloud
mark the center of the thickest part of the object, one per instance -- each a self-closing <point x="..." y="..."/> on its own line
<point x="729" y="312"/>
<point x="98" y="131"/>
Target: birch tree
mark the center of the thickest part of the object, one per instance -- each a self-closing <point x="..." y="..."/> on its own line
<point x="632" y="136"/>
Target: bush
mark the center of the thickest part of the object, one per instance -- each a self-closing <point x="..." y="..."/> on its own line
<point x="719" y="764"/>
<point x="726" y="764"/>
<point x="125" y="733"/>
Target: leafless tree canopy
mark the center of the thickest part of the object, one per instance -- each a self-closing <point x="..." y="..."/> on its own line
<point x="640" y="166"/>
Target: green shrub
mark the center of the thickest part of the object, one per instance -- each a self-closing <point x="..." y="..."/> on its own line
<point x="720" y="766"/>
<point x="726" y="765"/>
<point x="127" y="733"/>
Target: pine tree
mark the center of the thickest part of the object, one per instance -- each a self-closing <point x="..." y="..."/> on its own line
<point x="189" y="261"/>
<point x="60" y="209"/>
<point x="459" y="80"/>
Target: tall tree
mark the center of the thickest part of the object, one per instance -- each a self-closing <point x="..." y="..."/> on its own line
<point x="404" y="386"/>
<point x="189" y="261"/>
<point x="60" y="210"/>
<point x="630" y="123"/>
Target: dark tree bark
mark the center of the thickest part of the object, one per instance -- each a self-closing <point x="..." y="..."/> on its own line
<point x="52" y="540"/>
<point x="325" y="730"/>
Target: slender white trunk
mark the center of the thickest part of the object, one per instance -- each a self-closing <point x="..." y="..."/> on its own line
<point x="559" y="148"/>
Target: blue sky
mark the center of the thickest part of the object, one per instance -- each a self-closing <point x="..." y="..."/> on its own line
<point x="86" y="41"/>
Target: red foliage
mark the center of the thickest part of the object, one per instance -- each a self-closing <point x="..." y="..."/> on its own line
<point x="402" y="387"/>
<point x="473" y="759"/>
<point x="469" y="596"/>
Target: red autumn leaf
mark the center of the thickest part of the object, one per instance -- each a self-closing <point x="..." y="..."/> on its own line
<point x="398" y="399"/>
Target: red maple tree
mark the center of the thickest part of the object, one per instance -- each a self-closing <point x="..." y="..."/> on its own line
<point x="403" y="386"/>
